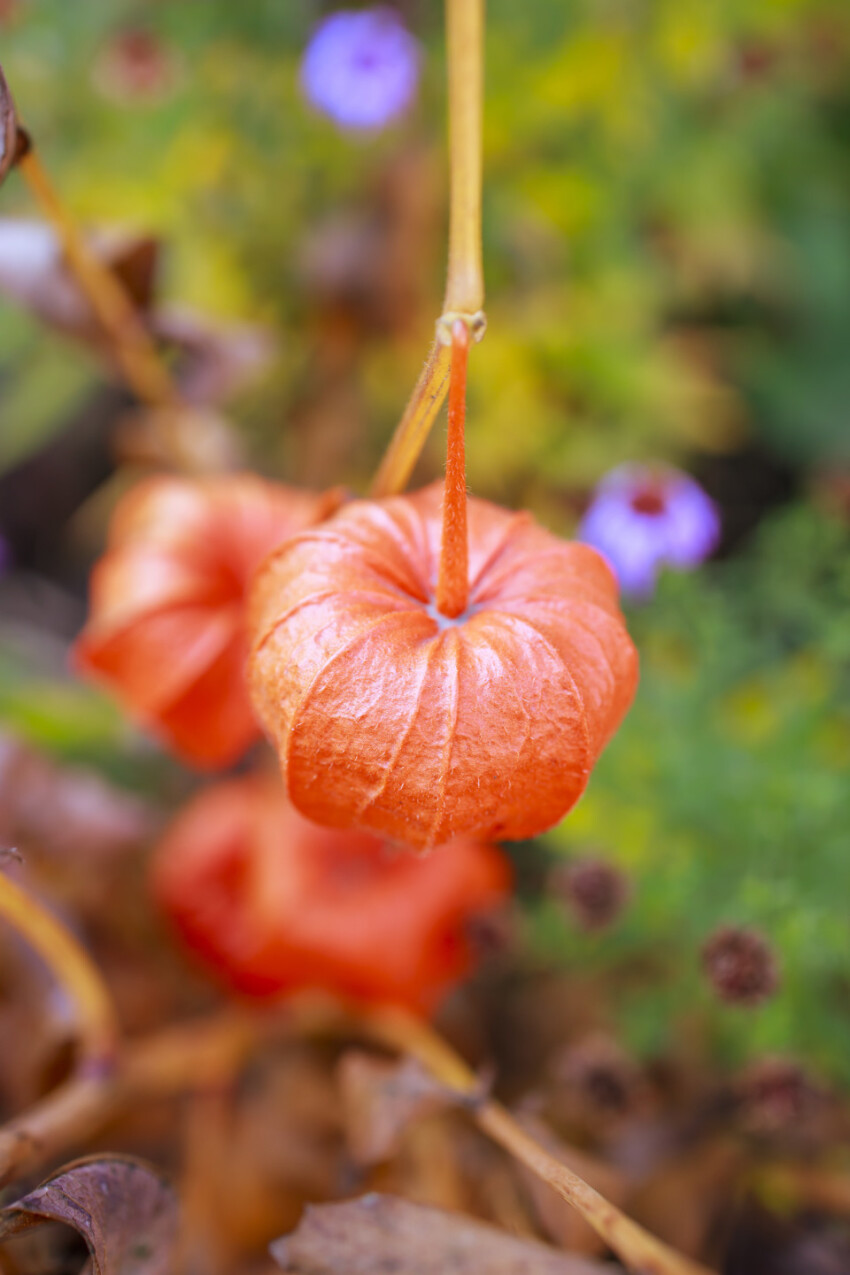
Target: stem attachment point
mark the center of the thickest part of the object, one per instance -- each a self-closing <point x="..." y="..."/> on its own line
<point x="475" y="324"/>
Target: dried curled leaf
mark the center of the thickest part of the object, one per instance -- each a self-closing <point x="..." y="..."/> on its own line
<point x="213" y="359"/>
<point x="125" y="1212"/>
<point x="381" y="1098"/>
<point x="64" y="811"/>
<point x="8" y="128"/>
<point x="35" y="275"/>
<point x="383" y="1233"/>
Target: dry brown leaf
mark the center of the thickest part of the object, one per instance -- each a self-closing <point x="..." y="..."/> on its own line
<point x="385" y="1233"/>
<point x="683" y="1202"/>
<point x="34" y="274"/>
<point x="8" y="128"/>
<point x="214" y="359"/>
<point x="380" y="1099"/>
<point x="124" y="1211"/>
<point x="61" y="812"/>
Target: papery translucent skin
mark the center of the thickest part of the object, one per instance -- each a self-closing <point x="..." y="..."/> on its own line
<point x="387" y="717"/>
<point x="166" y="633"/>
<point x="273" y="903"/>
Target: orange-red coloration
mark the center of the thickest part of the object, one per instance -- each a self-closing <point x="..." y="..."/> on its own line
<point x="273" y="903"/>
<point x="166" y="633"/>
<point x="452" y="593"/>
<point x="391" y="718"/>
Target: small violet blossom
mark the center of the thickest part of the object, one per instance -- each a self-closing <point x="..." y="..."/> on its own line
<point x="361" y="67"/>
<point x="644" y="517"/>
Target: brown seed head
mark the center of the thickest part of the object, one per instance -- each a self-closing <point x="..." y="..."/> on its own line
<point x="776" y="1094"/>
<point x="599" y="1074"/>
<point x="594" y="891"/>
<point x="740" y="965"/>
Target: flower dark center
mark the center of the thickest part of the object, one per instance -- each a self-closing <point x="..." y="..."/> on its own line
<point x="649" y="501"/>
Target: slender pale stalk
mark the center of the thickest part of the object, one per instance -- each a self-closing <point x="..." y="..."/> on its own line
<point x="465" y="41"/>
<point x="131" y="344"/>
<point x="465" y="278"/>
<point x="640" y="1251"/>
<point x="453" y="577"/>
<point x="415" y="425"/>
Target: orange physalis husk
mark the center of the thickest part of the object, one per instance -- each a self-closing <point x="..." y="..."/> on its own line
<point x="166" y="633"/>
<point x="390" y="717"/>
<point x="273" y="903"/>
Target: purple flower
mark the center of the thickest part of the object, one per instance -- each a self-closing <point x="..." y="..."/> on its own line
<point x="361" y="67"/>
<point x="644" y="517"/>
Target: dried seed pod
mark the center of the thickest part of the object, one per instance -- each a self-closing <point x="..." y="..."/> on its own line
<point x="594" y="890"/>
<point x="603" y="1080"/>
<point x="166" y="631"/>
<point x="740" y="965"/>
<point x="274" y="903"/>
<point x="390" y="716"/>
<point x="777" y="1095"/>
<point x="136" y="67"/>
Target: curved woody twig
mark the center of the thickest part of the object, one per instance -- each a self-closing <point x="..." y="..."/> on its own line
<point x="68" y="1110"/>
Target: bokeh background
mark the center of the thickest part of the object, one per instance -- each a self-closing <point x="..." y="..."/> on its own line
<point x="667" y="251"/>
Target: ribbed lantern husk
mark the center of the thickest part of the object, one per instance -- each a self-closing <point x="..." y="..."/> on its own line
<point x="390" y="718"/>
<point x="275" y="904"/>
<point x="166" y="631"/>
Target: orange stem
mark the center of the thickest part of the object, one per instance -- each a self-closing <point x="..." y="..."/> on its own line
<point x="453" y="578"/>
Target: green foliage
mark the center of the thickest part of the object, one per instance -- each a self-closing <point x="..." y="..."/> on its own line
<point x="725" y="795"/>
<point x="667" y="219"/>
